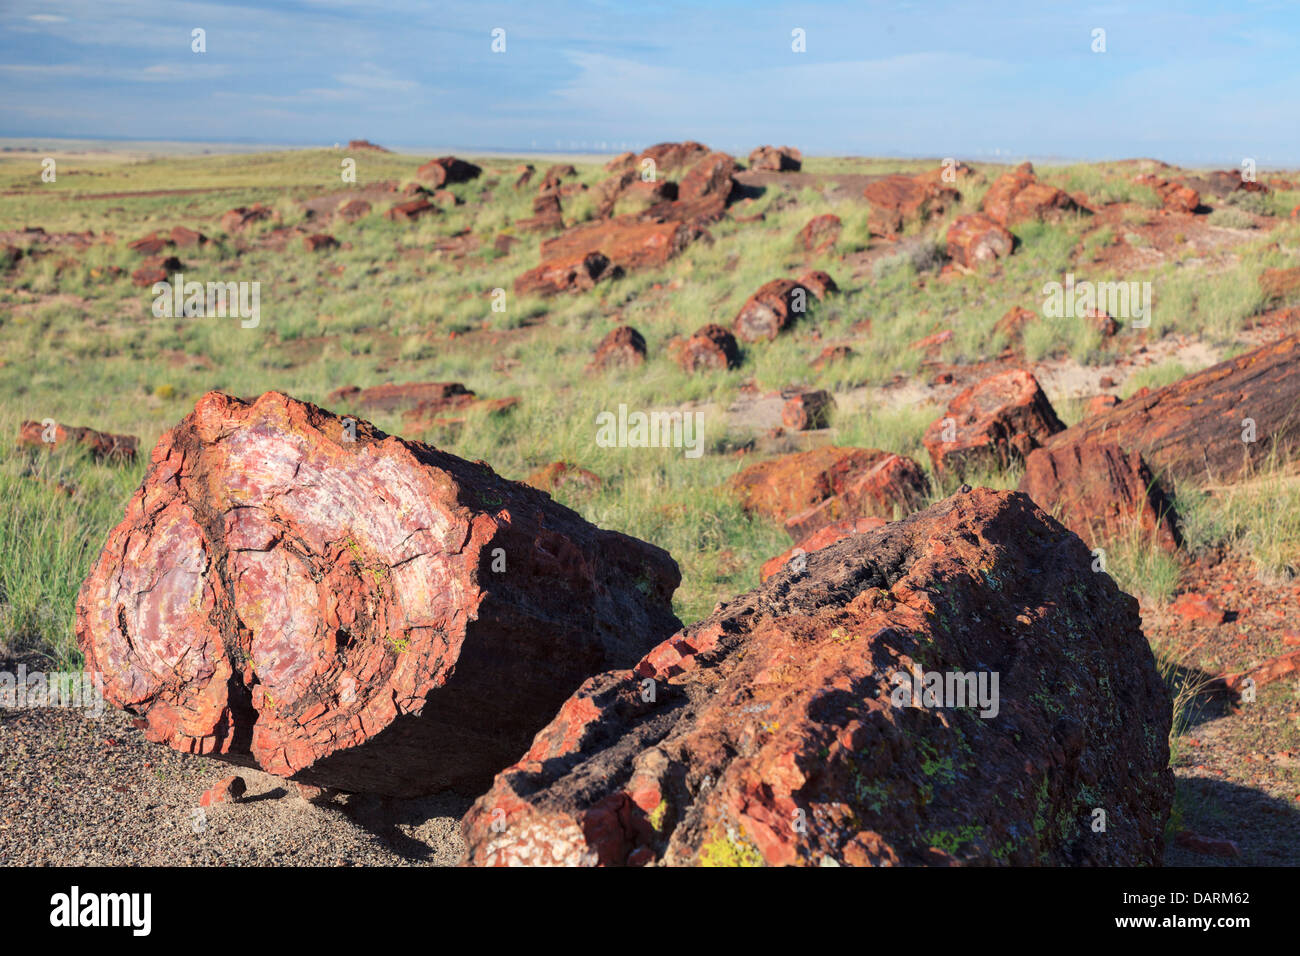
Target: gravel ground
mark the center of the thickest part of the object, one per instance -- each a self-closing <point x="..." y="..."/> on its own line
<point x="81" y="791"/>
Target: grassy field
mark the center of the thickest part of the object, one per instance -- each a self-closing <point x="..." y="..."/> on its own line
<point x="82" y="346"/>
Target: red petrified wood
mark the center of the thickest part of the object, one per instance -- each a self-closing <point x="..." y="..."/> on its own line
<point x="1098" y="491"/>
<point x="1213" y="424"/>
<point x="993" y="423"/>
<point x="103" y="446"/>
<point x="352" y="610"/>
<point x="834" y="716"/>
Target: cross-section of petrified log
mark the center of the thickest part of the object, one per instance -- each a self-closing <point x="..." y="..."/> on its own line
<point x="308" y="595"/>
<point x="1211" y="425"/>
<point x="958" y="686"/>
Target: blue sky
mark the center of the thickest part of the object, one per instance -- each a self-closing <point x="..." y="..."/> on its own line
<point x="1183" y="81"/>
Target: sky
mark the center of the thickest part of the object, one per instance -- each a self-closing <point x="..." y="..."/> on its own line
<point x="1189" y="82"/>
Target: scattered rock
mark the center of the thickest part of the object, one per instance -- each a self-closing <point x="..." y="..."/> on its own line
<point x="711" y="347"/>
<point x="318" y="241"/>
<point x="184" y="238"/>
<point x="806" y="410"/>
<point x="992" y="424"/>
<point x="569" y="274"/>
<point x="103" y="446"/>
<point x="808" y="490"/>
<point x="1098" y="492"/>
<point x="411" y="211"/>
<point x="1199" y="608"/>
<point x="1174" y="196"/>
<point x="830" y="355"/>
<point x="777" y="159"/>
<point x="623" y="347"/>
<point x="1018" y="196"/>
<point x="1280" y="285"/>
<point x="771" y="310"/>
<point x="350" y="210"/>
<point x="447" y="170"/>
<point x="391" y="396"/>
<point x="374" y="615"/>
<point x="1100" y="403"/>
<point x="820" y="284"/>
<point x="792" y="703"/>
<point x="976" y="238"/>
<point x="562" y="474"/>
<point x="1194" y="428"/>
<point x="897" y="199"/>
<point x="820" y="234"/>
<point x="240" y="218"/>
<point x="227" y="790"/>
<point x="1012" y="325"/>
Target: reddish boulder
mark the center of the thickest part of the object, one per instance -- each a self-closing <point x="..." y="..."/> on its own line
<point x="709" y="179"/>
<point x="562" y="474"/>
<point x="777" y="159"/>
<point x="805" y="410"/>
<point x="352" y="610"/>
<point x="1012" y="325"/>
<point x="157" y="269"/>
<point x="711" y="347"/>
<point x="820" y="284"/>
<point x="447" y="170"/>
<point x="896" y="200"/>
<point x="1175" y="197"/>
<point x="227" y="790"/>
<point x="366" y="145"/>
<point x="1099" y="492"/>
<point x="976" y="238"/>
<point x="820" y="234"/>
<point x="1018" y="196"/>
<point x="240" y="218"/>
<point x="620" y="162"/>
<point x="391" y="396"/>
<point x="547" y="215"/>
<point x="771" y="310"/>
<point x="184" y="238"/>
<point x="150" y="245"/>
<point x="810" y="489"/>
<point x="1211" y="425"/>
<point x="411" y="211"/>
<point x="1199" y="608"/>
<point x="567" y="274"/>
<point x="351" y="210"/>
<point x="671" y="156"/>
<point x="1280" y="285"/>
<point x="831" y="355"/>
<point x="992" y="424"/>
<point x="318" y="241"/>
<point x="1100" y="403"/>
<point x="824" y="538"/>
<point x="103" y="446"/>
<point x="847" y="713"/>
<point x="624" y="346"/>
<point x="627" y="243"/>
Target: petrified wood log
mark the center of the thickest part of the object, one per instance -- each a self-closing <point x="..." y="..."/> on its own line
<point x="786" y="728"/>
<point x="301" y="593"/>
<point x="1197" y="428"/>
